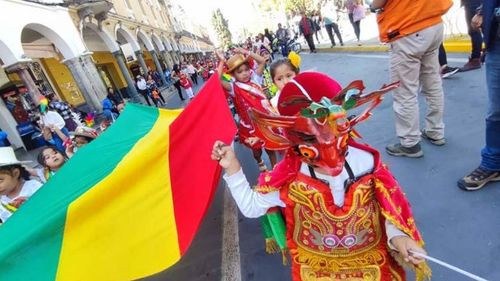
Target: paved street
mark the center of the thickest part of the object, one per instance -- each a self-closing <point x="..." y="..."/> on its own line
<point x="459" y="227"/>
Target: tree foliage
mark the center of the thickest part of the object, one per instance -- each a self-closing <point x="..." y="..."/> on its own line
<point x="221" y="28"/>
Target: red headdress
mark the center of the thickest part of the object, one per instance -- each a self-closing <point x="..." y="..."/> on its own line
<point x="313" y="118"/>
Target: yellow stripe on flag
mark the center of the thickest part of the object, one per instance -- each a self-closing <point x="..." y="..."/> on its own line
<point x="124" y="227"/>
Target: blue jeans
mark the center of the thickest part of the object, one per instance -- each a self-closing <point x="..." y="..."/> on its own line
<point x="491" y="152"/>
<point x="284" y="49"/>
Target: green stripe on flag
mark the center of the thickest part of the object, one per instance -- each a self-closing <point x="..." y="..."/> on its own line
<point x="30" y="241"/>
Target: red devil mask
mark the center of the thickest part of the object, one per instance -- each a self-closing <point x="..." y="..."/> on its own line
<point x="313" y="119"/>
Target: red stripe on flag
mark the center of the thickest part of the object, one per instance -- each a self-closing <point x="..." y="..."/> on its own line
<point x="194" y="176"/>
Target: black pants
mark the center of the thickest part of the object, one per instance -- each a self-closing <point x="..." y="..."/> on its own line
<point x="310" y="42"/>
<point x="475" y="35"/>
<point x="335" y="28"/>
<point x="177" y="85"/>
<point x="144" y="94"/>
<point x="355" y="25"/>
<point x="194" y="77"/>
<point x="443" y="60"/>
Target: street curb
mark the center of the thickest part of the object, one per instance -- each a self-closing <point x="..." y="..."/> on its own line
<point x="451" y="46"/>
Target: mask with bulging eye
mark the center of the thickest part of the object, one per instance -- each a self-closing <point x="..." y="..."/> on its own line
<point x="320" y="132"/>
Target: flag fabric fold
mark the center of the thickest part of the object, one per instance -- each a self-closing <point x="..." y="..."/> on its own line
<point x="128" y="204"/>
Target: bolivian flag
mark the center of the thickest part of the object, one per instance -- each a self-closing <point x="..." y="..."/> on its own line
<point x="128" y="204"/>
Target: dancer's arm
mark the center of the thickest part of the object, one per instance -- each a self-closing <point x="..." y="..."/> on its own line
<point x="252" y="204"/>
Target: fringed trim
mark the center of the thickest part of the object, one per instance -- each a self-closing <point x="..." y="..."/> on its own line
<point x="271" y="246"/>
<point x="284" y="257"/>
<point x="422" y="270"/>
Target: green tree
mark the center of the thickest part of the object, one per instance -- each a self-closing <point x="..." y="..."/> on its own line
<point x="221" y="28"/>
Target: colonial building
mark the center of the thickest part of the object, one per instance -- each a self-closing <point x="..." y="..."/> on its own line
<point x="77" y="49"/>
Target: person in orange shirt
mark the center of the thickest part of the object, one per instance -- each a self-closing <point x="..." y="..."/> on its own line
<point x="414" y="30"/>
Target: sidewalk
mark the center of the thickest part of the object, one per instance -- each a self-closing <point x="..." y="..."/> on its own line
<point x="455" y="44"/>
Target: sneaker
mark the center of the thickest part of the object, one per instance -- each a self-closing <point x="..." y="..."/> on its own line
<point x="471" y="65"/>
<point x="434" y="141"/>
<point x="477" y="179"/>
<point x="448" y="71"/>
<point x="399" y="150"/>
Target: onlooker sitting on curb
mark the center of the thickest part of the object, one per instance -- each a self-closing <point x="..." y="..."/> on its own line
<point x="51" y="160"/>
<point x="489" y="170"/>
<point x="414" y="30"/>
<point x="3" y="138"/>
<point x="81" y="137"/>
<point x="15" y="184"/>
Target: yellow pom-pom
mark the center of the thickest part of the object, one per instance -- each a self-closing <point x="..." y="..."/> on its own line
<point x="294" y="59"/>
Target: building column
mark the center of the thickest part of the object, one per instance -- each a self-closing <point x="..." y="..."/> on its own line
<point x="167" y="59"/>
<point x="158" y="67"/>
<point x="142" y="63"/>
<point x="134" y="95"/>
<point x="21" y="69"/>
<point x="89" y="81"/>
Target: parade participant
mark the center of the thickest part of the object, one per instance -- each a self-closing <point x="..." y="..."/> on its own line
<point x="268" y="86"/>
<point x="15" y="184"/>
<point x="81" y="137"/>
<point x="282" y="71"/>
<point x="246" y="92"/>
<point x="51" y="160"/>
<point x="346" y="216"/>
<point x="187" y="84"/>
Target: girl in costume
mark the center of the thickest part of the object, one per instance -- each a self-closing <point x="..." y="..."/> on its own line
<point x="346" y="216"/>
<point x="245" y="89"/>
<point x="282" y="71"/>
<point x="187" y="84"/>
<point x="15" y="184"/>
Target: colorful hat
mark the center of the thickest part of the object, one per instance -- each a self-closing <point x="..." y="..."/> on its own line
<point x="235" y="62"/>
<point x="311" y="86"/>
<point x="8" y="157"/>
<point x="85" y="132"/>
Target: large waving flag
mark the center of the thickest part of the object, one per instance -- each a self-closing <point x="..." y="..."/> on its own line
<point x="128" y="204"/>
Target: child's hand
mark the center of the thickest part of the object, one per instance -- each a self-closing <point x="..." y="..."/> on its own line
<point x="404" y="245"/>
<point x="226" y="157"/>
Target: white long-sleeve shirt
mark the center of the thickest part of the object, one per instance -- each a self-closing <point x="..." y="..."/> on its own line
<point x="254" y="204"/>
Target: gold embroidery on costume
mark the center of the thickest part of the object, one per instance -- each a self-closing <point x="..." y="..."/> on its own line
<point x="265" y="189"/>
<point x="369" y="273"/>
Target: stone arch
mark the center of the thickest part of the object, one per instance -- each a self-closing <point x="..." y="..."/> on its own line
<point x="105" y="36"/>
<point x="166" y="43"/>
<point x="7" y="55"/>
<point x="52" y="36"/>
<point x="157" y="42"/>
<point x="128" y="37"/>
<point x="141" y="35"/>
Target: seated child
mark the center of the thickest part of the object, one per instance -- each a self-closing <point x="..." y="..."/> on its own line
<point x="15" y="184"/>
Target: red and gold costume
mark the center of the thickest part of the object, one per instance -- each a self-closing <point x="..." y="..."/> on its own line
<point x="247" y="96"/>
<point x="327" y="242"/>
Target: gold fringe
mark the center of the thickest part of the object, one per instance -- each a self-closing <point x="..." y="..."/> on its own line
<point x="271" y="246"/>
<point x="422" y="270"/>
<point x="284" y="257"/>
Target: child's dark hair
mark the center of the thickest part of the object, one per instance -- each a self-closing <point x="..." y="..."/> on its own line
<point x="280" y="62"/>
<point x="23" y="173"/>
<point x="40" y="159"/>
